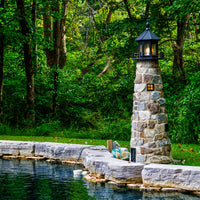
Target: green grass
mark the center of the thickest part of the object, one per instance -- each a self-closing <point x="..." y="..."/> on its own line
<point x="188" y="154"/>
<point x="62" y="140"/>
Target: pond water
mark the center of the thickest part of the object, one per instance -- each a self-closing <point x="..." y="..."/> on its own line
<point x="24" y="180"/>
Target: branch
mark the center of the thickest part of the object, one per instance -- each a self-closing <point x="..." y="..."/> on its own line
<point x="171" y="40"/>
<point x="127" y="8"/>
<point x="106" y="67"/>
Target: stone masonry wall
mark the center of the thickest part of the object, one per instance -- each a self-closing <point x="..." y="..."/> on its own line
<point x="149" y="129"/>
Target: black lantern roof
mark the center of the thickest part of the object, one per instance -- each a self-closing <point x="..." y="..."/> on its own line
<point x="147" y="46"/>
<point x="147" y="34"/>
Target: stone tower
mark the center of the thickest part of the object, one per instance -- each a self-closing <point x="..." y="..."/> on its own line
<point x="150" y="141"/>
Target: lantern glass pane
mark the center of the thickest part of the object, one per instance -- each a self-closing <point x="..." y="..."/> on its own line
<point x="140" y="49"/>
<point x="147" y="49"/>
<point x="154" y="51"/>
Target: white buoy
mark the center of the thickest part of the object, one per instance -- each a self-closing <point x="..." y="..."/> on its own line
<point x="85" y="173"/>
<point x="77" y="172"/>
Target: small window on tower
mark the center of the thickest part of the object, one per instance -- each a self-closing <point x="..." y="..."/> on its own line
<point x="150" y="87"/>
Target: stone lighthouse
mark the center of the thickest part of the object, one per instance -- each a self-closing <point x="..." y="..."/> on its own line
<point x="150" y="141"/>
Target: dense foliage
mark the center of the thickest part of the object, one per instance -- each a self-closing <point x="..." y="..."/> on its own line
<point x="84" y="82"/>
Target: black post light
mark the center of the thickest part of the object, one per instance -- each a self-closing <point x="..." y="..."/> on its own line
<point x="147" y="45"/>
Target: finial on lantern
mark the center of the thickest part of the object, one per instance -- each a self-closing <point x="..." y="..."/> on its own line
<point x="147" y="25"/>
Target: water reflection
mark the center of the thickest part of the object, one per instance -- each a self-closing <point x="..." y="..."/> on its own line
<point x="24" y="180"/>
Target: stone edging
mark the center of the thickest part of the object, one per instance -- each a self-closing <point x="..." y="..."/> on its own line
<point x="103" y="167"/>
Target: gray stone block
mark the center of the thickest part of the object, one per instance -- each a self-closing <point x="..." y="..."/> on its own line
<point x="141" y="106"/>
<point x="136" y="142"/>
<point x="144" y="115"/>
<point x="156" y="79"/>
<point x="141" y="158"/>
<point x="184" y="177"/>
<point x="102" y="164"/>
<point x="147" y="78"/>
<point x="141" y="126"/>
<point x="17" y="148"/>
<point x="134" y="125"/>
<point x="155" y="95"/>
<point x="139" y="87"/>
<point x="161" y="118"/>
<point x="161" y="101"/>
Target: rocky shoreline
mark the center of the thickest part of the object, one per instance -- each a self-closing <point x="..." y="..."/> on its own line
<point x="103" y="167"/>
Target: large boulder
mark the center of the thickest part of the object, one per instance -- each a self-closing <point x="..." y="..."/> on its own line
<point x="16" y="148"/>
<point x="177" y="176"/>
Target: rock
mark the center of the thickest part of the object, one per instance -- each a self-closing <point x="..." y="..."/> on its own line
<point x="94" y="179"/>
<point x="138" y="79"/>
<point x="17" y="148"/>
<point x="161" y="118"/>
<point x="141" y="158"/>
<point x="135" y="134"/>
<point x="59" y="150"/>
<point x="35" y="158"/>
<point x="141" y="106"/>
<point x="155" y="95"/>
<point x="136" y="142"/>
<point x="168" y="189"/>
<point x="158" y="87"/>
<point x="135" y="115"/>
<point x="102" y="164"/>
<point x="134" y="125"/>
<point x="145" y="150"/>
<point x="153" y="71"/>
<point x="151" y="124"/>
<point x="124" y="172"/>
<point x="154" y="108"/>
<point x="156" y="79"/>
<point x="147" y="78"/>
<point x="134" y="186"/>
<point x="144" y="115"/>
<point x="161" y="101"/>
<point x="150" y="145"/>
<point x="175" y="176"/>
<point x="141" y="126"/>
<point x="153" y="117"/>
<point x="139" y="87"/>
<point x="159" y="128"/>
<point x="142" y="70"/>
<point x="149" y="133"/>
<point x="144" y="96"/>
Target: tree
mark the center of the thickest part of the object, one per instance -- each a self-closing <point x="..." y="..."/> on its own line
<point x="56" y="56"/>
<point x="179" y="45"/>
<point x="1" y="63"/>
<point x="26" y="33"/>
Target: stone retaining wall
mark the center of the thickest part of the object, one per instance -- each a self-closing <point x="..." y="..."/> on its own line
<point x="101" y="164"/>
<point x="184" y="177"/>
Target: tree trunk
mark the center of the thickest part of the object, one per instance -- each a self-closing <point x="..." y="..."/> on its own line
<point x="178" y="47"/>
<point x="195" y="25"/>
<point x="56" y="58"/>
<point x="148" y="4"/>
<point x="34" y="38"/>
<point x="57" y="39"/>
<point x="1" y="65"/>
<point x="30" y="114"/>
<point x="63" y="50"/>
<point x="48" y="24"/>
<point x="128" y="9"/>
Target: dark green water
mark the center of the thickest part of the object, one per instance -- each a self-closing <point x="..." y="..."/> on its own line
<point x="23" y="180"/>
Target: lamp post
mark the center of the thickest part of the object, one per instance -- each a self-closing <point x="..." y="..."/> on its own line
<point x="150" y="141"/>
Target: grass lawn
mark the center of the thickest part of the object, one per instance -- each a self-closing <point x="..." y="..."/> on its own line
<point x="188" y="154"/>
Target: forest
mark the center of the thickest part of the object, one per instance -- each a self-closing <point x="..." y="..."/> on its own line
<point x="66" y="66"/>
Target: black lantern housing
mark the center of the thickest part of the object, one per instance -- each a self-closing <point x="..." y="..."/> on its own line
<point x="147" y="45"/>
